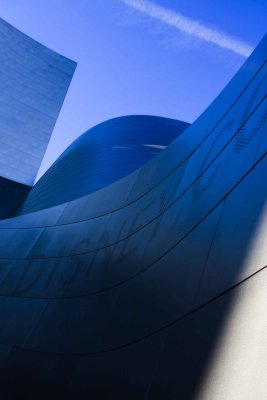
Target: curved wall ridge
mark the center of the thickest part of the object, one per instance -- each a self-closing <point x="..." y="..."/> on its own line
<point x="101" y="156"/>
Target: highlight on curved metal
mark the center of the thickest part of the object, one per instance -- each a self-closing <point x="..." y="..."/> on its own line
<point x="152" y="287"/>
<point x="101" y="156"/>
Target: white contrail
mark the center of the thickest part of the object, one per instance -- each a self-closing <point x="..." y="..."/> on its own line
<point x="190" y="26"/>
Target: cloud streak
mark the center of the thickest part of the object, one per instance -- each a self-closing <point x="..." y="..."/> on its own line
<point x="190" y="26"/>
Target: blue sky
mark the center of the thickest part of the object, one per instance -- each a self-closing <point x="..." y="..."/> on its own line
<point x="160" y="57"/>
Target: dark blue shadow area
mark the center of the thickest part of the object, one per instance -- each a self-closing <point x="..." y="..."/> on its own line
<point x="12" y="195"/>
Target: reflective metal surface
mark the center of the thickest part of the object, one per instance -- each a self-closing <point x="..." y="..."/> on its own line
<point x="33" y="83"/>
<point x="153" y="287"/>
<point x="101" y="156"/>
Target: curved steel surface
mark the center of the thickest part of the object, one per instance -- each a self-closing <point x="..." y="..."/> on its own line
<point x="101" y="156"/>
<point x="145" y="289"/>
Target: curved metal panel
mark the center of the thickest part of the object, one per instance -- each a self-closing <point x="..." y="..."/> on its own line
<point x="101" y="156"/>
<point x="140" y="290"/>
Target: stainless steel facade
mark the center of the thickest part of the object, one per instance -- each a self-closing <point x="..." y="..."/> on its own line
<point x="33" y="83"/>
<point x="101" y="156"/>
<point x="153" y="287"/>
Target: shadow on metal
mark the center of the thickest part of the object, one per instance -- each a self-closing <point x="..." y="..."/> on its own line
<point x="153" y="287"/>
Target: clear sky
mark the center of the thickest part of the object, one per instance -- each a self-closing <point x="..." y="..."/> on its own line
<point x="159" y="57"/>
